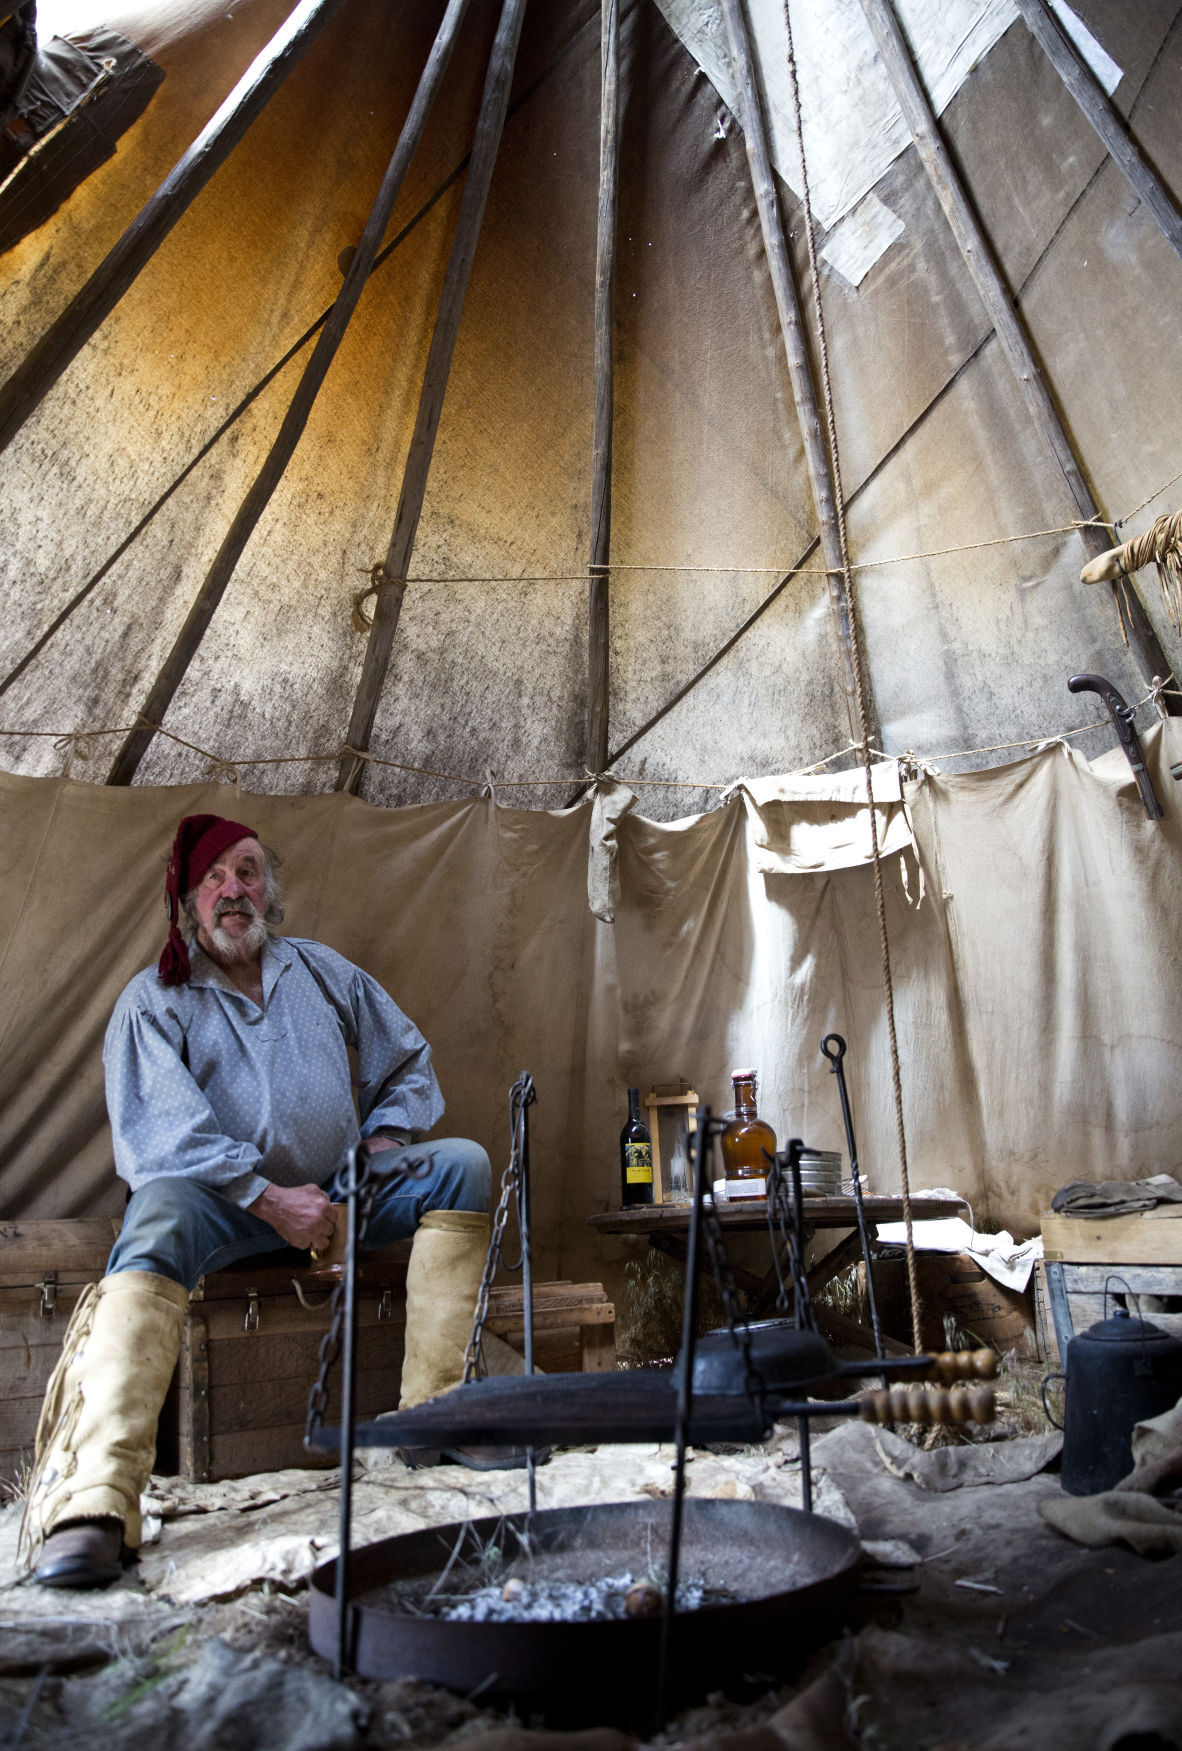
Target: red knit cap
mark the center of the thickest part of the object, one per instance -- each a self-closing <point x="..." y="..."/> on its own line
<point x="200" y="841"/>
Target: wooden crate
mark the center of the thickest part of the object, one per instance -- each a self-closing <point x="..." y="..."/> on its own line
<point x="1112" y="1240"/>
<point x="954" y="1285"/>
<point x="574" y="1326"/>
<point x="250" y="1353"/>
<point x="1075" y="1299"/>
<point x="44" y="1267"/>
<point x="1136" y="1256"/>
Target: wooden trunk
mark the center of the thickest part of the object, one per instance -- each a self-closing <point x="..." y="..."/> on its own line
<point x="250" y="1348"/>
<point x="44" y="1267"/>
<point x="250" y="1352"/>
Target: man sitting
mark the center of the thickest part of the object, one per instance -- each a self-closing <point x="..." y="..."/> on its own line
<point x="231" y="1104"/>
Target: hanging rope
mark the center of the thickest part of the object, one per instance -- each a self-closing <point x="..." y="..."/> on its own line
<point x="859" y="687"/>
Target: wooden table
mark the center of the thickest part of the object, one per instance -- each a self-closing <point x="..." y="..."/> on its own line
<point x="666" y="1228"/>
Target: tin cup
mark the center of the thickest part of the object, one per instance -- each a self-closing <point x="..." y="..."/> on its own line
<point x="330" y="1260"/>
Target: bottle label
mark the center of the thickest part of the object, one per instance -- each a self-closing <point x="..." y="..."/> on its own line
<point x="737" y="1189"/>
<point x="638" y="1164"/>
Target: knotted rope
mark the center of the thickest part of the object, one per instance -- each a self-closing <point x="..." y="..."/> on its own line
<point x="1161" y="545"/>
<point x="379" y="581"/>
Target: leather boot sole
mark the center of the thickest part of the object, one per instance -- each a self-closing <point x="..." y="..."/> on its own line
<point x="495" y="1458"/>
<point x="84" y="1553"/>
<point x="475" y="1458"/>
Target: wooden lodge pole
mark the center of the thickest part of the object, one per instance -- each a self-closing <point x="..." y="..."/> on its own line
<point x="598" y="591"/>
<point x="1077" y="76"/>
<point x="36" y="375"/>
<point x="800" y="370"/>
<point x="388" y="603"/>
<point x="296" y="418"/>
<point x="1007" y="323"/>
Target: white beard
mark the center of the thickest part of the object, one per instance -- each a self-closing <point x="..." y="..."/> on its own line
<point x="240" y="948"/>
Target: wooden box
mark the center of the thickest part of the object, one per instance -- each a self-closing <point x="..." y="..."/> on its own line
<point x="250" y="1353"/>
<point x="1073" y="1297"/>
<point x="1138" y="1259"/>
<point x="1112" y="1240"/>
<point x="574" y="1326"/>
<point x="953" y="1287"/>
<point x="44" y="1267"/>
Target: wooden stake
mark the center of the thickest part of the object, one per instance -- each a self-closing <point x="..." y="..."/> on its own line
<point x="799" y="366"/>
<point x="65" y="338"/>
<point x="601" y="441"/>
<point x="388" y="606"/>
<point x="1007" y="323"/>
<point x="296" y="417"/>
<point x="1077" y="76"/>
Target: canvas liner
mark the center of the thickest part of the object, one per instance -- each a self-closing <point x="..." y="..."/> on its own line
<point x="1040" y="1025"/>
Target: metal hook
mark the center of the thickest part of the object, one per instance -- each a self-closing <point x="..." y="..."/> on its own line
<point x="836" y="1055"/>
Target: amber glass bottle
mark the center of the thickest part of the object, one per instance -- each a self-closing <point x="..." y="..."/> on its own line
<point x="745" y="1140"/>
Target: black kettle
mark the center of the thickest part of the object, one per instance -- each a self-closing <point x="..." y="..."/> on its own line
<point x="1119" y="1372"/>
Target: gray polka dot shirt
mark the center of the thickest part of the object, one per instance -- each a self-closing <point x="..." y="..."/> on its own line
<point x="203" y="1084"/>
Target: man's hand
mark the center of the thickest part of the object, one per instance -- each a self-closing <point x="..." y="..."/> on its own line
<point x="375" y="1145"/>
<point x="303" y="1215"/>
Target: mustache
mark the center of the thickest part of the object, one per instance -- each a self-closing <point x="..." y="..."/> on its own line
<point x="244" y="906"/>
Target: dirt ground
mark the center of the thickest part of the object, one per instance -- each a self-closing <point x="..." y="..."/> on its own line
<point x="975" y="1624"/>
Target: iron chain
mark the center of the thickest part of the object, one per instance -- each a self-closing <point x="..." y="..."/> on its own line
<point x="521" y="1095"/>
<point x="781" y="1216"/>
<point x="366" y="1179"/>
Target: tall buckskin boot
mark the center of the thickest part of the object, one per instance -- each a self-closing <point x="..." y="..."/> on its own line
<point x="96" y="1441"/>
<point x="442" y="1284"/>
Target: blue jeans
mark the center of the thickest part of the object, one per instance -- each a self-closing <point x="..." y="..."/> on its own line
<point x="180" y="1229"/>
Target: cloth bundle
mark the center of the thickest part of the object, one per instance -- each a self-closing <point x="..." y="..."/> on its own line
<point x="1118" y="1197"/>
<point x="1144" y="1510"/>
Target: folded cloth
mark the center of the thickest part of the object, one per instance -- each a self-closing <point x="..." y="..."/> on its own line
<point x="1144" y="1510"/>
<point x="1116" y="1197"/>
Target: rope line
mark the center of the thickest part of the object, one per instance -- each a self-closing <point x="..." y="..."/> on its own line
<point x="1137" y="509"/>
<point x="859" y="686"/>
<point x="595" y="569"/>
<point x="79" y="745"/>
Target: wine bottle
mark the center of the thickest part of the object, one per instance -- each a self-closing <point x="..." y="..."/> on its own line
<point x="636" y="1156"/>
<point x="745" y="1141"/>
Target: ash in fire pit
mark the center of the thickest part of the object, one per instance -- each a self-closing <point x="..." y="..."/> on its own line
<point x="546" y="1589"/>
<point x="512" y="1577"/>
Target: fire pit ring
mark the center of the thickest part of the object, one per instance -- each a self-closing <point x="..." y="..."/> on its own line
<point x="795" y="1575"/>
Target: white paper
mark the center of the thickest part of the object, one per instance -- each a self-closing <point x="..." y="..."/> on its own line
<point x="1007" y="1261"/>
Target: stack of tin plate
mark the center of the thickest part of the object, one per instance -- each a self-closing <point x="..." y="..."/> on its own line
<point x="820" y="1173"/>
